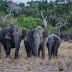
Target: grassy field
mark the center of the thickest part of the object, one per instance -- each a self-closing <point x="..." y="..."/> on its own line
<point x="61" y="63"/>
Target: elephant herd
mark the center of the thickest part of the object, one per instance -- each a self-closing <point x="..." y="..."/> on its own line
<point x="35" y="41"/>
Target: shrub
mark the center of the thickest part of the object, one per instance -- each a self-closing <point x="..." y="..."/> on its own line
<point x="51" y="29"/>
<point x="28" y="22"/>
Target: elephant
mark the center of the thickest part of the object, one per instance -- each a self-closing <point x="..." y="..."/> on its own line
<point x="53" y="44"/>
<point x="0" y="45"/>
<point x="36" y="42"/>
<point x="11" y="37"/>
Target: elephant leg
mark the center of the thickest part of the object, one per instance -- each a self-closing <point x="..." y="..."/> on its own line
<point x="28" y="50"/>
<point x="17" y="46"/>
<point x="16" y="53"/>
<point x="29" y="53"/>
<point x="56" y="49"/>
<point x="39" y="52"/>
<point x="0" y="49"/>
<point x="49" y="46"/>
<point x="8" y="44"/>
<point x="50" y="51"/>
<point x="43" y="52"/>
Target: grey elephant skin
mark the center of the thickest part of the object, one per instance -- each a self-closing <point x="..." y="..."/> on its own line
<point x="35" y="42"/>
<point x="53" y="44"/>
<point x="0" y="45"/>
<point x="11" y="37"/>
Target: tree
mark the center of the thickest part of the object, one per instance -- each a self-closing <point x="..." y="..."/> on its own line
<point x="43" y="7"/>
<point x="14" y="8"/>
<point x="44" y="19"/>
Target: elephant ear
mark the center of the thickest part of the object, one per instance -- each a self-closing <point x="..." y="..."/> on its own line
<point x="45" y="34"/>
<point x="24" y="33"/>
<point x="8" y="35"/>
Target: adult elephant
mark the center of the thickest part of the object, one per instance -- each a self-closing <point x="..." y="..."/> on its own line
<point x="35" y="42"/>
<point x="0" y="45"/>
<point x="53" y="44"/>
<point x="11" y="37"/>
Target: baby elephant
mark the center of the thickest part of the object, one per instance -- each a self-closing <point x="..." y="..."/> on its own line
<point x="53" y="45"/>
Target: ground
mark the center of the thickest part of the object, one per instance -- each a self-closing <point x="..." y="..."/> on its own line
<point x="63" y="62"/>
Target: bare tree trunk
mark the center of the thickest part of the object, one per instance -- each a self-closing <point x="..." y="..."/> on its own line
<point x="60" y="24"/>
<point x="44" y="19"/>
<point x="58" y="30"/>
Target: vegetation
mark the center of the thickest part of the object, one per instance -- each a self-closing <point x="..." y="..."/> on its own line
<point x="28" y="22"/>
<point x="29" y="16"/>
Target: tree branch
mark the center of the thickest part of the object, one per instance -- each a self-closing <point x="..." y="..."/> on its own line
<point x="8" y="15"/>
<point x="42" y="14"/>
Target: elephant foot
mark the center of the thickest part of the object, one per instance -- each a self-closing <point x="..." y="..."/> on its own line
<point x="29" y="56"/>
<point x="8" y="56"/>
<point x="49" y="58"/>
<point x="16" y="57"/>
<point x="43" y="58"/>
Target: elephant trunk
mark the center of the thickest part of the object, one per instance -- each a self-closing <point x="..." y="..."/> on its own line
<point x="36" y="44"/>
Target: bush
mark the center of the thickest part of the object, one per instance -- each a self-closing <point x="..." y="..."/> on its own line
<point x="66" y="34"/>
<point x="2" y="23"/>
<point x="51" y="29"/>
<point x="28" y="22"/>
<point x="5" y="22"/>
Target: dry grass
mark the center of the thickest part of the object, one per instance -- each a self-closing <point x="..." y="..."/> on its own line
<point x="61" y="63"/>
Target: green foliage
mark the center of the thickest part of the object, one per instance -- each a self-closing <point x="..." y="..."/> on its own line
<point x="4" y="22"/>
<point x="51" y="29"/>
<point x="3" y="5"/>
<point x="29" y="16"/>
<point x="33" y="12"/>
<point x="70" y="19"/>
<point x="39" y="22"/>
<point x="28" y="22"/>
<point x="2" y="14"/>
<point x="61" y="69"/>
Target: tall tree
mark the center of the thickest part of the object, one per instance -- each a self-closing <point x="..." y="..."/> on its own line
<point x="44" y="15"/>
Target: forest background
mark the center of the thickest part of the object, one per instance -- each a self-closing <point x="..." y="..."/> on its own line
<point x="53" y="16"/>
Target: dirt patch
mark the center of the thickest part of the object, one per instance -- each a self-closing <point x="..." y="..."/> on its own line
<point x="61" y="63"/>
